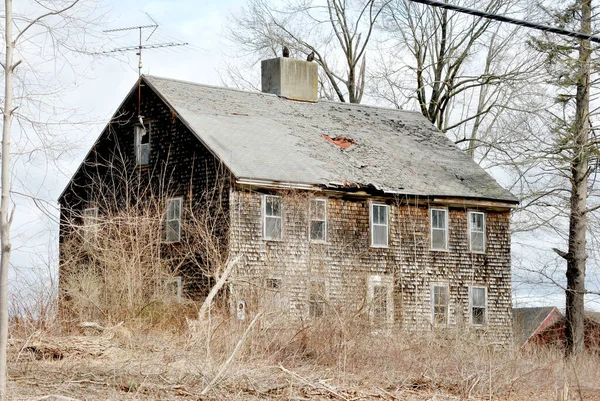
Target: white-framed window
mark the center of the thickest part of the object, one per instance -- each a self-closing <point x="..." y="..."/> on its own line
<point x="173" y="220"/>
<point x="274" y="292"/>
<point x="318" y="220"/>
<point x="478" y="305"/>
<point x="272" y="217"/>
<point x="90" y="223"/>
<point x="440" y="297"/>
<point x="175" y="289"/>
<point x="439" y="228"/>
<point x="141" y="138"/>
<point x="380" y="300"/>
<point x="477" y="232"/>
<point x="316" y="299"/>
<point x="379" y="217"/>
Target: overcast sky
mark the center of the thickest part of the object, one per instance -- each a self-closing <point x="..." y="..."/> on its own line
<point x="102" y="84"/>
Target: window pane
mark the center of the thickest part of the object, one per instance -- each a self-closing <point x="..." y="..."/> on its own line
<point x="438" y="219"/>
<point x="477" y="241"/>
<point x="272" y="227"/>
<point x="317" y="230"/>
<point x="273" y="283"/>
<point x="316" y="308"/>
<point x="145" y="154"/>
<point x="317" y="209"/>
<point x="379" y="306"/>
<point x="478" y="316"/>
<point x="379" y="214"/>
<point x="173" y="230"/>
<point x="477" y="221"/>
<point x="173" y="209"/>
<point x="273" y="206"/>
<point x="440" y="304"/>
<point x="438" y="239"/>
<point x="375" y="214"/>
<point x="380" y="235"/>
<point x="316" y="300"/>
<point x="478" y="297"/>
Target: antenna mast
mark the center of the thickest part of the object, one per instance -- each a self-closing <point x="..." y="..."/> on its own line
<point x="139" y="49"/>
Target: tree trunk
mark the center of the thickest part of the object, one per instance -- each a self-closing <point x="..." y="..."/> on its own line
<point x="576" y="256"/>
<point x="5" y="196"/>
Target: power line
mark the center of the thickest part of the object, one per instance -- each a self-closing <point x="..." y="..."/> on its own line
<point x="514" y="21"/>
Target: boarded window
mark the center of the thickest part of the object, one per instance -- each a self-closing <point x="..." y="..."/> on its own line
<point x="318" y="220"/>
<point x="90" y="224"/>
<point x="439" y="229"/>
<point x="478" y="302"/>
<point x="142" y="144"/>
<point x="477" y="231"/>
<point x="273" y="217"/>
<point x="173" y="220"/>
<point x="316" y="299"/>
<point x="379" y="225"/>
<point x="439" y="299"/>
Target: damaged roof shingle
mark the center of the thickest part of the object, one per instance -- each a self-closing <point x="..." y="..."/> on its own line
<point x="282" y="140"/>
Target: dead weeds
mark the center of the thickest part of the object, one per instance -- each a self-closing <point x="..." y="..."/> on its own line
<point x="315" y="362"/>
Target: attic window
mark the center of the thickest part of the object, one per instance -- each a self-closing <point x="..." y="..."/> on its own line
<point x="341" y="141"/>
<point x="142" y="144"/>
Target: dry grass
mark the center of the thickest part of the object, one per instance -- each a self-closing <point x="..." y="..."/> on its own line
<point x="322" y="360"/>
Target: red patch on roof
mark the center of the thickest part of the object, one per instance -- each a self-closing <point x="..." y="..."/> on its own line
<point x="341" y="141"/>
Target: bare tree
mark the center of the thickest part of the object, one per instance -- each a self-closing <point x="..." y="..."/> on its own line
<point x="337" y="31"/>
<point x="57" y="22"/>
<point x="463" y="73"/>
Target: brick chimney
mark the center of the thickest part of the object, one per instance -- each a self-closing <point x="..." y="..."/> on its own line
<point x="290" y="78"/>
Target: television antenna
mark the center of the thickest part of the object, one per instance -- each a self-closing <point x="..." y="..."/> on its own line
<point x="139" y="47"/>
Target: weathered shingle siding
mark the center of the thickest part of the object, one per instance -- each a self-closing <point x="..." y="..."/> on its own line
<point x="346" y="260"/>
<point x="180" y="165"/>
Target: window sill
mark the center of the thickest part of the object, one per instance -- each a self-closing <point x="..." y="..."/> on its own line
<point x="312" y="241"/>
<point x="380" y="246"/>
<point x="439" y="250"/>
<point x="478" y="252"/>
<point x="272" y="239"/>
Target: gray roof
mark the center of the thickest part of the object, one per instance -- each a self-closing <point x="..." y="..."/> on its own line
<point x="263" y="137"/>
<point x="527" y="320"/>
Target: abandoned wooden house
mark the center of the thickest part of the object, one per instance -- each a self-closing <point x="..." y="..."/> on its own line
<point x="328" y="204"/>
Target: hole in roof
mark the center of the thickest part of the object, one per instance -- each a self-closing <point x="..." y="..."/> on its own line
<point x="341" y="141"/>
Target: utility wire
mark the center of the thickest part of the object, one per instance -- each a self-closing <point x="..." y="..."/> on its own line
<point x="514" y="21"/>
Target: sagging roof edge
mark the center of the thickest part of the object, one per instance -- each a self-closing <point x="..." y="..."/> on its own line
<point x="458" y="201"/>
<point x="368" y="190"/>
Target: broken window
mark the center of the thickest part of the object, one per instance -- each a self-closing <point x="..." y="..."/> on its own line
<point x="439" y="300"/>
<point x="142" y="144"/>
<point x="379" y="225"/>
<point x="316" y="299"/>
<point x="318" y="220"/>
<point x="379" y="298"/>
<point x="273" y="217"/>
<point x="439" y="229"/>
<point x="90" y="223"/>
<point x="478" y="305"/>
<point x="173" y="220"/>
<point x="477" y="231"/>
